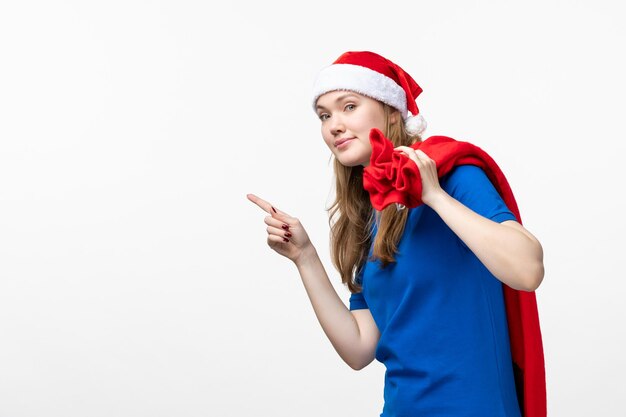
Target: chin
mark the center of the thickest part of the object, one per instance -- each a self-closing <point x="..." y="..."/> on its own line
<point x="350" y="163"/>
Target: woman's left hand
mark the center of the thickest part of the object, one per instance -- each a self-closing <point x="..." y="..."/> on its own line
<point x="428" y="171"/>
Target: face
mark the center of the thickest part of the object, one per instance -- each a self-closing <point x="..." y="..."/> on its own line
<point x="347" y="119"/>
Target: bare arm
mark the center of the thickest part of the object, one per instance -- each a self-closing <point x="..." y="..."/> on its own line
<point x="509" y="251"/>
<point x="354" y="335"/>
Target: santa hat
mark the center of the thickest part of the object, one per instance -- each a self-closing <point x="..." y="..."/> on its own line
<point x="374" y="76"/>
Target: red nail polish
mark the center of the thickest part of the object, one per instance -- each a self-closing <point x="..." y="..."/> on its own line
<point x="274" y="209"/>
<point x="288" y="234"/>
<point x="285" y="226"/>
<point x="285" y="239"/>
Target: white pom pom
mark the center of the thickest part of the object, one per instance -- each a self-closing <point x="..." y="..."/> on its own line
<point x="415" y="125"/>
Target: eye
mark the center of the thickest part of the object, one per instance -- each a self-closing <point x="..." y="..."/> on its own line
<point x="350" y="107"/>
<point x="324" y="116"/>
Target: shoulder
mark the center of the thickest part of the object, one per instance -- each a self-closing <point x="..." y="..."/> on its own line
<point x="471" y="186"/>
<point x="465" y="176"/>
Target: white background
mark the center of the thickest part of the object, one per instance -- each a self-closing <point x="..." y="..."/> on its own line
<point x="135" y="278"/>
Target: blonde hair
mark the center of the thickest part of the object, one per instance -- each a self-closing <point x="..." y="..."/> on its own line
<point x="351" y="215"/>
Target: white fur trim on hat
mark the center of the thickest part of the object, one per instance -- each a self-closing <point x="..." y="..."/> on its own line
<point x="361" y="80"/>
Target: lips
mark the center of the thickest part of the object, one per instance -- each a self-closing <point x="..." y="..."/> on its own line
<point x="340" y="141"/>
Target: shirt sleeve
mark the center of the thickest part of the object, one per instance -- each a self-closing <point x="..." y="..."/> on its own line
<point x="357" y="301"/>
<point x="471" y="186"/>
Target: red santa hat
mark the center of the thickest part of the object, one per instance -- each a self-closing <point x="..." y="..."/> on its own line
<point x="372" y="75"/>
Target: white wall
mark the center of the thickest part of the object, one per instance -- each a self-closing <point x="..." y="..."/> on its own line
<point x="135" y="278"/>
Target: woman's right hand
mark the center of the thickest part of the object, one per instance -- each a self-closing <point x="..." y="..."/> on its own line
<point x="285" y="233"/>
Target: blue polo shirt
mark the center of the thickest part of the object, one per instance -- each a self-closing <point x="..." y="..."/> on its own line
<point x="443" y="330"/>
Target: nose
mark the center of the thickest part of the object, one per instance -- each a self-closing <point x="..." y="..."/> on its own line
<point x="337" y="126"/>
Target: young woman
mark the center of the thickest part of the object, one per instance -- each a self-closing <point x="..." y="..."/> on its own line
<point x="427" y="281"/>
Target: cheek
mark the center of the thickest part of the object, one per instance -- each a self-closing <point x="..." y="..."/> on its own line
<point x="326" y="136"/>
<point x="374" y="119"/>
<point x="381" y="120"/>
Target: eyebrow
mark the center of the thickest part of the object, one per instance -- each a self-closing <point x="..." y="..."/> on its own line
<point x="338" y="99"/>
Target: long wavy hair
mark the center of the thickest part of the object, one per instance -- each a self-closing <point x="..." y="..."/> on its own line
<point x="351" y="215"/>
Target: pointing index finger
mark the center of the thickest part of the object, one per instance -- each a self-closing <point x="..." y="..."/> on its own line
<point x="267" y="207"/>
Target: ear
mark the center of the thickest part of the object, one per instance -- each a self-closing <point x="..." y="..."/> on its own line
<point x="393" y="117"/>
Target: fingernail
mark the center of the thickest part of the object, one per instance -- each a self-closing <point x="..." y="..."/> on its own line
<point x="288" y="234"/>
<point x="285" y="226"/>
<point x="274" y="209"/>
<point x="285" y="239"/>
